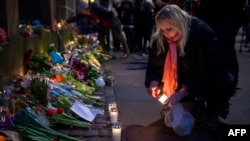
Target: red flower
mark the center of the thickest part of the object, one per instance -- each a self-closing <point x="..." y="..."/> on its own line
<point x="20" y="91"/>
<point x="26" y="62"/>
<point x="25" y="34"/>
<point x="1" y="39"/>
<point x="60" y="110"/>
<point x="51" y="112"/>
<point x="27" y="57"/>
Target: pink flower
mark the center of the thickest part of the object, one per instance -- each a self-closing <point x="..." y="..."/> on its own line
<point x="3" y="38"/>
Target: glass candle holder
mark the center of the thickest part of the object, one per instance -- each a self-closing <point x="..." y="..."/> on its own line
<point x="116" y="131"/>
<point x="113" y="115"/>
<point x="112" y="105"/>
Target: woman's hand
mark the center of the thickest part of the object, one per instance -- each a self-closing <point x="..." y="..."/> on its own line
<point x="177" y="96"/>
<point x="154" y="89"/>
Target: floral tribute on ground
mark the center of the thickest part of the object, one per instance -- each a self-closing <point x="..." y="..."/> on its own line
<point x="34" y="104"/>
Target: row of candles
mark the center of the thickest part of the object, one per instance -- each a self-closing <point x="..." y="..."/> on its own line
<point x="116" y="125"/>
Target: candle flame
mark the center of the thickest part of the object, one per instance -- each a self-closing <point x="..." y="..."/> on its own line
<point x="163" y="99"/>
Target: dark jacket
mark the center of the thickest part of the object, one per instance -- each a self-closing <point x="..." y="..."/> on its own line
<point x="213" y="9"/>
<point x="103" y="15"/>
<point x="199" y="68"/>
<point x="225" y="18"/>
<point x="127" y="13"/>
<point x="144" y="17"/>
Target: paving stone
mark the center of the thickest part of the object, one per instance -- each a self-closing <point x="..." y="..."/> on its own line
<point x="64" y="131"/>
<point x="91" y="133"/>
<point x="110" y="99"/>
<point x="99" y="126"/>
<point x="83" y="139"/>
<point x="99" y="93"/>
<point x="99" y="139"/>
<point x="100" y="120"/>
<point x="76" y="133"/>
<point x="105" y="133"/>
<point x="102" y="99"/>
<point x="100" y="116"/>
<point x="109" y="90"/>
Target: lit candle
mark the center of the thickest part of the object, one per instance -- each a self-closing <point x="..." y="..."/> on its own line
<point x="112" y="105"/>
<point x="116" y="132"/>
<point x="113" y="115"/>
<point x="163" y="99"/>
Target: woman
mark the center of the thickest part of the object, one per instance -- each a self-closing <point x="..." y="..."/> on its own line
<point x="185" y="61"/>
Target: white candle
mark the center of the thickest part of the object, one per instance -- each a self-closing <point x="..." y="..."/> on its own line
<point x="116" y="132"/>
<point x="163" y="99"/>
<point x="113" y="115"/>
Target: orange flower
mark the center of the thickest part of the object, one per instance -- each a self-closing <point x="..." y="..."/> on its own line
<point x="58" y="78"/>
<point x="2" y="138"/>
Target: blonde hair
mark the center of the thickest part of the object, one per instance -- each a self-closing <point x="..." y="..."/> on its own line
<point x="178" y="18"/>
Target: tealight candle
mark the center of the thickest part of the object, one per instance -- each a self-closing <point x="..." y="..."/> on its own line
<point x="116" y="131"/>
<point x="163" y="99"/>
<point x="113" y="115"/>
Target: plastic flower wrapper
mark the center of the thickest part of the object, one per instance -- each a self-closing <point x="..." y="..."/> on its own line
<point x="58" y="116"/>
<point x="85" y="90"/>
<point x="68" y="120"/>
<point x="5" y="118"/>
<point x="74" y="90"/>
<point x="18" y="85"/>
<point x="63" y="102"/>
<point x="30" y="127"/>
<point x="56" y="57"/>
<point x="63" y="89"/>
<point x="40" y="111"/>
<point x="39" y="89"/>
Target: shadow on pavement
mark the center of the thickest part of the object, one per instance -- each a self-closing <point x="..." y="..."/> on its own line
<point x="157" y="131"/>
